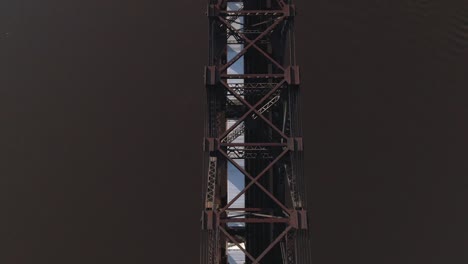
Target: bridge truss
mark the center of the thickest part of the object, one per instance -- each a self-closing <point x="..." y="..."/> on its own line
<point x="253" y="127"/>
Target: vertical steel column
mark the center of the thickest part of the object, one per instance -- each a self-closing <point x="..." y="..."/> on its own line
<point x="266" y="113"/>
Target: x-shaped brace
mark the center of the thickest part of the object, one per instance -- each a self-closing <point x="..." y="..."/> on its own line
<point x="254" y="180"/>
<point x="268" y="249"/>
<point x="250" y="42"/>
<point x="252" y="109"/>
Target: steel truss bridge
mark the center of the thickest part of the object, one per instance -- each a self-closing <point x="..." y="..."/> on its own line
<point x="253" y="131"/>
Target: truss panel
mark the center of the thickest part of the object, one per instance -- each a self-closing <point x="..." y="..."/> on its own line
<point x="253" y="127"/>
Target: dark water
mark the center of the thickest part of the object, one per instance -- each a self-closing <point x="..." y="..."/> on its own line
<point x="101" y="126"/>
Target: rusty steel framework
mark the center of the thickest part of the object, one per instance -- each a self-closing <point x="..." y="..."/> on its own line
<point x="263" y="102"/>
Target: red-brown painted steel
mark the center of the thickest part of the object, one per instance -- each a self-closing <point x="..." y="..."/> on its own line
<point x="285" y="217"/>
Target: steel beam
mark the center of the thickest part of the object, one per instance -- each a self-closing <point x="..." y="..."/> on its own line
<point x="263" y="104"/>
